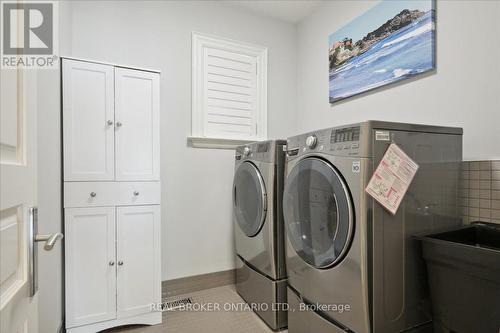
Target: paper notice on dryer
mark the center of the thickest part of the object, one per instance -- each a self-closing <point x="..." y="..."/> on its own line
<point x="392" y="178"/>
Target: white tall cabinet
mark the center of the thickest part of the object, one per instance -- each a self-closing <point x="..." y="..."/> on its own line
<point x="111" y="195"/>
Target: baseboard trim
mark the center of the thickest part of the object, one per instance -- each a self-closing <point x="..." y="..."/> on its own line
<point x="191" y="284"/>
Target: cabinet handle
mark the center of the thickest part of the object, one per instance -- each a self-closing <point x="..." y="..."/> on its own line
<point x="93" y="194"/>
<point x="136" y="193"/>
<point x="120" y="263"/>
<point x="111" y="263"/>
<point x="118" y="124"/>
<point x="109" y="122"/>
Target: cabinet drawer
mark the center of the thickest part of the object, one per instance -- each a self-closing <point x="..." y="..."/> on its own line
<point x="95" y="194"/>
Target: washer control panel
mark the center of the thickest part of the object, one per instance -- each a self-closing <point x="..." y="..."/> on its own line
<point x="311" y="141"/>
<point x="345" y="134"/>
<point x="337" y="141"/>
<point x="345" y="139"/>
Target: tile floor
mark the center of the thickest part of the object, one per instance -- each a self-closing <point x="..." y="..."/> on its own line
<point x="205" y="321"/>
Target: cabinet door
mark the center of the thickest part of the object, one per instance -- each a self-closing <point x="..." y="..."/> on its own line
<point x="90" y="265"/>
<point x="138" y="258"/>
<point x="137" y="125"/>
<point x="88" y="116"/>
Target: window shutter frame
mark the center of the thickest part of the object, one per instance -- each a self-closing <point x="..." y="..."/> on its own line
<point x="201" y="43"/>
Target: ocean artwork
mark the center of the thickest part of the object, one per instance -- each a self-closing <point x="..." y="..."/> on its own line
<point x="392" y="41"/>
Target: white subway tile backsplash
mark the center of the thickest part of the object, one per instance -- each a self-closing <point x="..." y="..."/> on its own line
<point x="484" y="194"/>
<point x="485" y="165"/>
<point x="484" y="203"/>
<point x="474" y="175"/>
<point x="485" y="213"/>
<point x="474" y="212"/>
<point x="474" y="165"/>
<point x="479" y="191"/>
<point x="485" y="184"/>
<point x="485" y="175"/>
<point x="473" y="193"/>
<point x="495" y="195"/>
<point x="474" y="202"/>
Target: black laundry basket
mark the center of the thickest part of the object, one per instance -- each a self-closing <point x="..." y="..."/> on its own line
<point x="463" y="269"/>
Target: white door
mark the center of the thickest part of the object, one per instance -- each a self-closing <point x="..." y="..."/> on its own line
<point x="90" y="265"/>
<point x="18" y="188"/>
<point x="138" y="259"/>
<point x="137" y="125"/>
<point x="88" y="121"/>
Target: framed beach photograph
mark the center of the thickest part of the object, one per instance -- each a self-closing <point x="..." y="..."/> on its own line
<point x="392" y="41"/>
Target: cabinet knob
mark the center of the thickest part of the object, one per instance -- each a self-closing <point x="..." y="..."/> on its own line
<point x="109" y="122"/>
<point x="111" y="263"/>
<point x="93" y="194"/>
<point x="136" y="193"/>
<point x="118" y="124"/>
<point x="120" y="263"/>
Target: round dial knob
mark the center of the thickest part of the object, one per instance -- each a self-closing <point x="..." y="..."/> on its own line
<point x="311" y="141"/>
<point x="246" y="151"/>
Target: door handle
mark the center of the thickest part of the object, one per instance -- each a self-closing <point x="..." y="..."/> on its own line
<point x="33" y="238"/>
<point x="50" y="240"/>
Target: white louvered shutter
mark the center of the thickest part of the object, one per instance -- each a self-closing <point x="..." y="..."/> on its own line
<point x="230" y="94"/>
<point x="228" y="100"/>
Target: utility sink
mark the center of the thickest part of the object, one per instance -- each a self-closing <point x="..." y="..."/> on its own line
<point x="481" y="235"/>
<point x="463" y="270"/>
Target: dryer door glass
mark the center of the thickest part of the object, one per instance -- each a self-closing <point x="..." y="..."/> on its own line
<point x="249" y="199"/>
<point x="318" y="212"/>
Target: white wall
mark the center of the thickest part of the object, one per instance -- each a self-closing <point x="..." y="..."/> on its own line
<point x="50" y="265"/>
<point x="196" y="183"/>
<point x="464" y="91"/>
<point x="49" y="200"/>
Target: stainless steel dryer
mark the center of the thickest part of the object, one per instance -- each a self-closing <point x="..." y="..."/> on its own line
<point x="356" y="266"/>
<point x="259" y="231"/>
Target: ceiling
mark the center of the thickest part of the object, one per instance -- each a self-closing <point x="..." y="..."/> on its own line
<point x="292" y="11"/>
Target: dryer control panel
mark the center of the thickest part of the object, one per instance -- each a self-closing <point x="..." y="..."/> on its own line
<point x="264" y="151"/>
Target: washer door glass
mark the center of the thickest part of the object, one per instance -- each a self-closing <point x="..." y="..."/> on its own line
<point x="318" y="212"/>
<point x="249" y="199"/>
